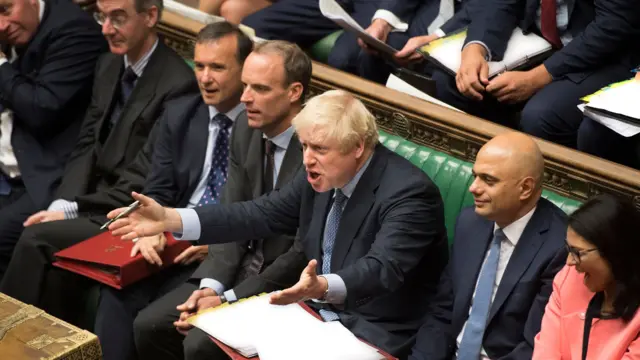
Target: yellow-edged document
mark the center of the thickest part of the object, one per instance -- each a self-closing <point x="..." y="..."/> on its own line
<point x="615" y="106"/>
<point x="523" y="51"/>
<point x="253" y="327"/>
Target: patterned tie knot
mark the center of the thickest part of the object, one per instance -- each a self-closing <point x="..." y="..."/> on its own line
<point x="270" y="147"/>
<point x="129" y="76"/>
<point x="340" y="198"/>
<point x="223" y="121"/>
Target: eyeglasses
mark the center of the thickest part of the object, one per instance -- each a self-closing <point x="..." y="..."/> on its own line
<point x="117" y="20"/>
<point x="577" y="254"/>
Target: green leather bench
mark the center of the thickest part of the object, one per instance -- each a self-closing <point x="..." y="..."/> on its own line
<point x="453" y="177"/>
<point x="321" y="49"/>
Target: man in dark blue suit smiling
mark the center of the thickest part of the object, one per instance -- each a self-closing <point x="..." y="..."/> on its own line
<point x="492" y="295"/>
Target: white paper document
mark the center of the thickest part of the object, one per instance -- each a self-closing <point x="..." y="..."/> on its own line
<point x="255" y="327"/>
<point x="616" y="100"/>
<point x="395" y="83"/>
<point x="521" y="49"/>
<point x="333" y="11"/>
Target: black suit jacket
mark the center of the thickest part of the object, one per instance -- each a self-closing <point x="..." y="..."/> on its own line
<point x="48" y="88"/>
<point x="245" y="182"/>
<point x="517" y="309"/>
<point x="93" y="164"/>
<point x="603" y="31"/>
<point x="390" y="248"/>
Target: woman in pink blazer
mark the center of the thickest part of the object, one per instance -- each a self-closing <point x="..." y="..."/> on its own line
<point x="593" y="311"/>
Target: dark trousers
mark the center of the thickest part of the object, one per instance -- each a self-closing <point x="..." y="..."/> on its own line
<point x="598" y="140"/>
<point x="117" y="310"/>
<point x="32" y="279"/>
<point x="551" y="114"/>
<point x="156" y="337"/>
<point x="301" y="22"/>
<point x="376" y="68"/>
<point x="15" y="208"/>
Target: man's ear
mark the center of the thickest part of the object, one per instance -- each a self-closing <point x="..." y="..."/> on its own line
<point x="295" y="92"/>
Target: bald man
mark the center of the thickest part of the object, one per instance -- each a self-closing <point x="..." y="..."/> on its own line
<point x="506" y="252"/>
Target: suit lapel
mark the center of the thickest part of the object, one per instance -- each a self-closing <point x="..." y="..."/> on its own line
<point x="255" y="164"/>
<point x="526" y="250"/>
<point x="195" y="145"/>
<point x="142" y="94"/>
<point x="476" y="247"/>
<point x="358" y="208"/>
<point x="291" y="162"/>
<point x="110" y="84"/>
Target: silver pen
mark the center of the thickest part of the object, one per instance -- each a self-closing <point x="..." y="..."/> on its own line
<point x="129" y="210"/>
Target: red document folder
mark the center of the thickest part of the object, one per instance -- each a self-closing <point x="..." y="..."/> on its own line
<point x="107" y="259"/>
<point x="234" y="355"/>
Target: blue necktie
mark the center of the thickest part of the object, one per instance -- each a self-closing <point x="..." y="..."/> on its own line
<point x="330" y="232"/>
<point x="219" y="162"/>
<point x="471" y="343"/>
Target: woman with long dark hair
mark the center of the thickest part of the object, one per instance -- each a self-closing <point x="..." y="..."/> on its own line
<point x="593" y="310"/>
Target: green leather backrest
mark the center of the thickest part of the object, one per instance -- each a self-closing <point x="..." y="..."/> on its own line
<point x="453" y="177"/>
<point x="321" y="49"/>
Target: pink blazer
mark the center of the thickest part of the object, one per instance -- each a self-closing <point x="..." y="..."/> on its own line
<point x="560" y="337"/>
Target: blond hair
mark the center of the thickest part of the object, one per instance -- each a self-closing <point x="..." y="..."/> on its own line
<point x="338" y="115"/>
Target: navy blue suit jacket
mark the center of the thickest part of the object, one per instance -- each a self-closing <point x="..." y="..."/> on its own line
<point x="49" y="88"/>
<point x="390" y="247"/>
<point x="603" y="31"/>
<point x="516" y="311"/>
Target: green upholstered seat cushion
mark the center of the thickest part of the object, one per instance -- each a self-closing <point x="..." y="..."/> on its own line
<point x="321" y="49"/>
<point x="453" y="177"/>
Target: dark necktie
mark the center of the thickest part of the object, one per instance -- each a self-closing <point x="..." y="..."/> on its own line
<point x="219" y="162"/>
<point x="471" y="343"/>
<point x="269" y="152"/>
<point x="548" y="22"/>
<point x="127" y="81"/>
<point x="330" y="233"/>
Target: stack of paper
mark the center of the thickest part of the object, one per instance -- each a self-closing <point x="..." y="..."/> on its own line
<point x="254" y="327"/>
<point x="615" y="107"/>
<point x="522" y="50"/>
<point x="395" y="83"/>
<point x="333" y="11"/>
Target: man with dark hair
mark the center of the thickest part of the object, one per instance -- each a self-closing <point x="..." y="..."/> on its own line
<point x="131" y="88"/>
<point x="276" y="75"/>
<point x="47" y="60"/>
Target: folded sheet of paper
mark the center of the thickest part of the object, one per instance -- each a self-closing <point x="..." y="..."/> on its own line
<point x="200" y="16"/>
<point x="395" y="83"/>
<point x="613" y="105"/>
<point x="521" y="50"/>
<point x="254" y="327"/>
<point x="333" y="11"/>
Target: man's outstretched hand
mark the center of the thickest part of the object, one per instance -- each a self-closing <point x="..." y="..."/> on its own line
<point x="148" y="220"/>
<point x="310" y="286"/>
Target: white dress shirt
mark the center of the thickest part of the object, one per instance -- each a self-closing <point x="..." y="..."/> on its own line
<point x="513" y="232"/>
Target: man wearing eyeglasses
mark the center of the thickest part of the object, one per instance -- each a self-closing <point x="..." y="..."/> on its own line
<point x="505" y="254"/>
<point x="132" y="84"/>
<point x="48" y="53"/>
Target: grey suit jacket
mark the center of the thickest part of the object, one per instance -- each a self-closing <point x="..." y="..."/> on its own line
<point x="94" y="165"/>
<point x="245" y="182"/>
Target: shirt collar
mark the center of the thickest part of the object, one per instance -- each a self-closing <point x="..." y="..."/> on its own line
<point x="138" y="67"/>
<point x="514" y="231"/>
<point x="41" y="11"/>
<point x="283" y="139"/>
<point x="351" y="185"/>
<point x="231" y="114"/>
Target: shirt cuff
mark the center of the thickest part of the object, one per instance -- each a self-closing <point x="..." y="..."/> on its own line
<point x="212" y="284"/>
<point x="190" y="225"/>
<point x="488" y="57"/>
<point x="3" y="60"/>
<point x="70" y="208"/>
<point x="336" y="291"/>
<point x="230" y="295"/>
<point x="439" y="33"/>
<point x="391" y="19"/>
